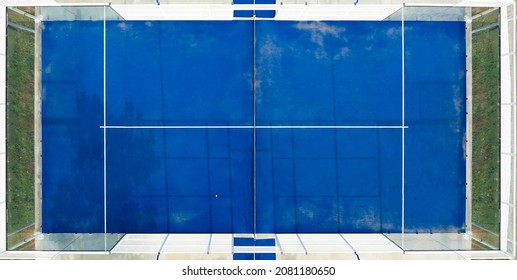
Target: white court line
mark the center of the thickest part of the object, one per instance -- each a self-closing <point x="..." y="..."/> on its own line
<point x="253" y="127"/>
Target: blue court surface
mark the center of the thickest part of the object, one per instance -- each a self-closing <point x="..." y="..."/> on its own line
<point x="253" y="127"/>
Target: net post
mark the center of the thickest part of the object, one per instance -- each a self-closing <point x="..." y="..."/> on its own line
<point x="3" y="107"/>
<point x="254" y="183"/>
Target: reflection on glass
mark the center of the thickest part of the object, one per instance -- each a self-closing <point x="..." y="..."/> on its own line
<point x="76" y="242"/>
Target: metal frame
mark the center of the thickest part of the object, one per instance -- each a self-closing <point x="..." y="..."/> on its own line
<point x="451" y="3"/>
<point x="3" y="127"/>
<point x="468" y="138"/>
<point x="508" y="148"/>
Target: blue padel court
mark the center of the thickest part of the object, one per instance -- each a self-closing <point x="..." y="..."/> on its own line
<point x="253" y="126"/>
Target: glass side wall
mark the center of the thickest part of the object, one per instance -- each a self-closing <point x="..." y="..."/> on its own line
<point x="76" y="13"/>
<point x="438" y="203"/>
<point x="512" y="13"/>
<point x="44" y="130"/>
<point x="508" y="132"/>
